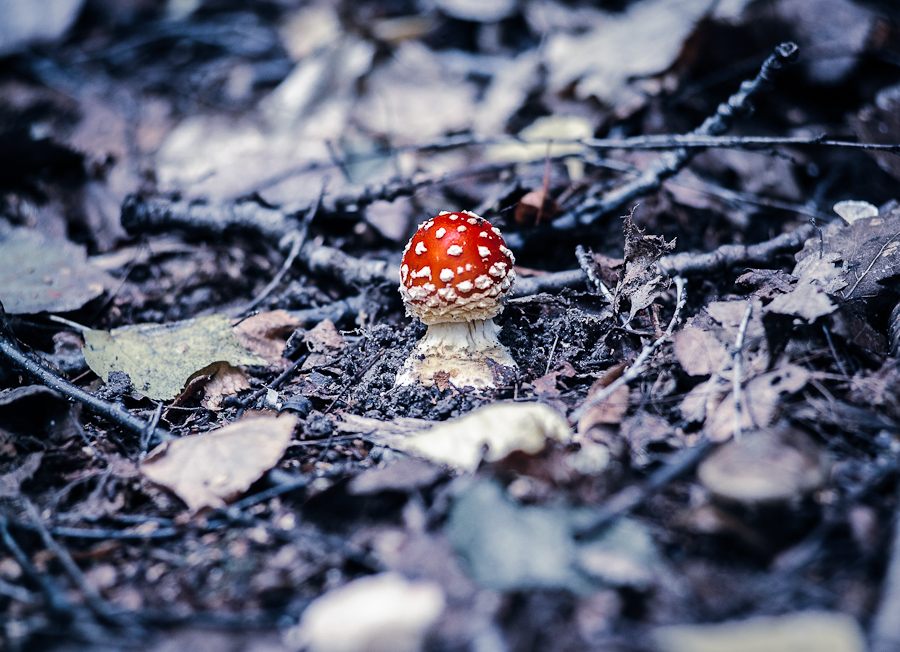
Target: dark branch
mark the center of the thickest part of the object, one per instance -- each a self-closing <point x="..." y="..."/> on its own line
<point x="670" y="163"/>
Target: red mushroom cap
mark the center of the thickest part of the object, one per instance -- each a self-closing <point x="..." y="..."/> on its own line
<point x="456" y="268"/>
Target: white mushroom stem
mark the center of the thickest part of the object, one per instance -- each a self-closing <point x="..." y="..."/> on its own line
<point x="467" y="351"/>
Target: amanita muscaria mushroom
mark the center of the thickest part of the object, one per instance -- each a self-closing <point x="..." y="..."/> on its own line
<point x="454" y="276"/>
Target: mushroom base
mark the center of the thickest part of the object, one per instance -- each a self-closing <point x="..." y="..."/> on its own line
<point x="469" y="353"/>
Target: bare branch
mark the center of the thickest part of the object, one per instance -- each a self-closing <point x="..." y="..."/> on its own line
<point x="671" y="162"/>
<point x="728" y="256"/>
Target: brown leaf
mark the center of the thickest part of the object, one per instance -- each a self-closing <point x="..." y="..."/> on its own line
<point x="266" y="334"/>
<point x="703" y="399"/>
<point x="699" y="352"/>
<point x="764" y="466"/>
<point x="535" y="206"/>
<point x="760" y="400"/>
<point x="226" y="381"/>
<point x="806" y="301"/>
<point x="211" y="468"/>
<point x="44" y="274"/>
<point x="324" y="338"/>
<point x="546" y="385"/>
<point x="731" y="313"/>
<point x="642" y="281"/>
<point x="607" y="412"/>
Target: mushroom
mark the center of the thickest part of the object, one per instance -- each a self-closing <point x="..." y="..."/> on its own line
<point x="454" y="276"/>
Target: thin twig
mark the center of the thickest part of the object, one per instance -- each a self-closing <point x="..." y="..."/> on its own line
<point x="637" y="367"/>
<point x="587" y="267"/>
<point x="671" y="162"/>
<point x="634" y="496"/>
<point x="11" y="353"/>
<point x="728" y="256"/>
<point x="297" y="242"/>
<point x="736" y="368"/>
<point x="849" y="292"/>
<point x="552" y="283"/>
<point x="161" y="215"/>
<point x="16" y="592"/>
<point x="54" y="596"/>
<point x="296" y="238"/>
<point x="95" y="601"/>
<point x="552" y="351"/>
<point x="662" y="142"/>
<point x="275" y="384"/>
<point x="834" y="353"/>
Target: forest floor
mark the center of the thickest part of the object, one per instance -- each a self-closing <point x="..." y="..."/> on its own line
<point x="203" y="207"/>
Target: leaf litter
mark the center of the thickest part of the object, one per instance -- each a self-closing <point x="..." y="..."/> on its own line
<point x="354" y="122"/>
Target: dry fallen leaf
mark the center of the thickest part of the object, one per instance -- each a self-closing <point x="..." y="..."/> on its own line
<point x="225" y="381"/>
<point x="807" y="301"/>
<point x="162" y="358"/>
<point x="491" y="432"/>
<point x="266" y="334"/>
<point x="700" y="352"/>
<point x="211" y="468"/>
<point x="379" y="613"/>
<point x="608" y="412"/>
<point x="642" y="281"/>
<point x="761" y="399"/>
<point x="324" y="338"/>
<point x="43" y="274"/>
<point x="767" y="465"/>
<point x="639" y="42"/>
<point x="869" y="248"/>
<point x="810" y="630"/>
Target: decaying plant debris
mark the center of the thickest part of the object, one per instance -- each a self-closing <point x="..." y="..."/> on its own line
<point x="203" y="207"/>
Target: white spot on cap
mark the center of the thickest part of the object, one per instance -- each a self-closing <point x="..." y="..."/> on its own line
<point x="418" y="293"/>
<point x="474" y="221"/>
<point x="440" y="233"/>
<point x="427" y="225"/>
<point x="498" y="270"/>
<point x="454" y="217"/>
<point x="468" y="267"/>
<point x="443" y="213"/>
<point x="484" y="234"/>
<point x="505" y="251"/>
<point x="483" y="251"/>
<point x="447" y="275"/>
<point x="404" y="273"/>
<point x="461" y="229"/>
<point x="420" y="248"/>
<point x="483" y="282"/>
<point x="459" y="270"/>
<point x="495" y="230"/>
<point x="429" y="288"/>
<point x="454" y="250"/>
<point x="465" y="286"/>
<point x="425" y="272"/>
<point x="448" y="294"/>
